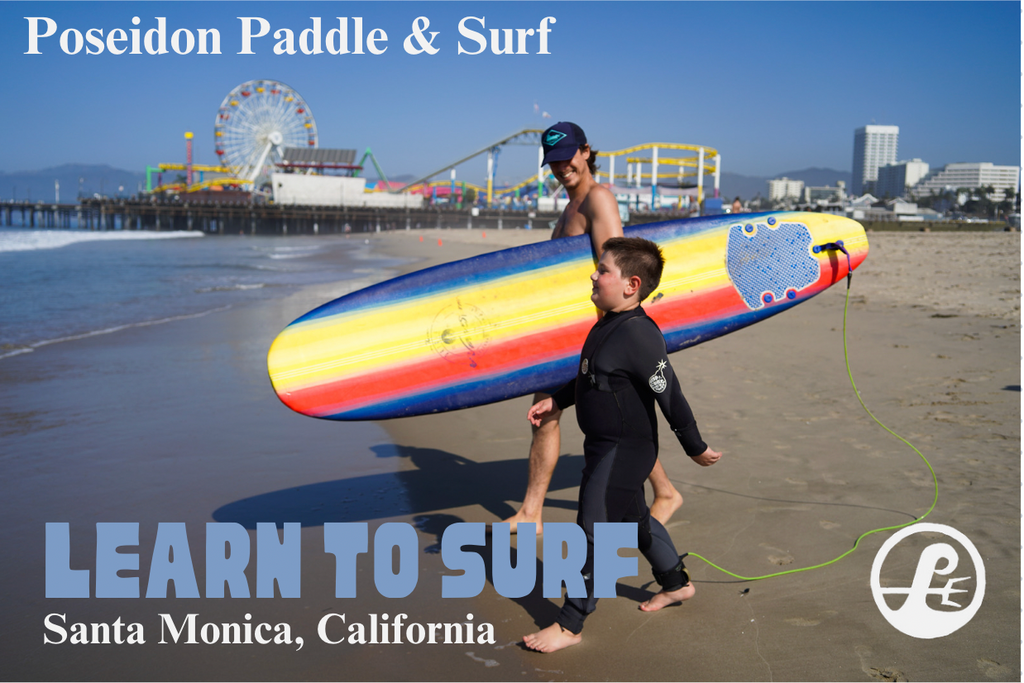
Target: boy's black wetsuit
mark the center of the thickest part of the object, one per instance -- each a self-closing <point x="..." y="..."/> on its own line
<point x="623" y="371"/>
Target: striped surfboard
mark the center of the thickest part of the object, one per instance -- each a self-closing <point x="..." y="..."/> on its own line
<point x="512" y="322"/>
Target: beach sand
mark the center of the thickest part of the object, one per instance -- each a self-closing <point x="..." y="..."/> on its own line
<point x="178" y="423"/>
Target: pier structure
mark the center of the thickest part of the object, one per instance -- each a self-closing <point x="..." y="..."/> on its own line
<point x="270" y="219"/>
<point x="260" y="219"/>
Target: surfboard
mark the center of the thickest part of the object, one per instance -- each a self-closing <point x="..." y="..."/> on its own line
<point x="512" y="322"/>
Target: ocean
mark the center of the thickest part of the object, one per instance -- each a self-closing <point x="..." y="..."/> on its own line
<point x="61" y="285"/>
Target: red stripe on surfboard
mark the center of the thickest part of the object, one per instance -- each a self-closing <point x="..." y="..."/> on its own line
<point x="430" y="375"/>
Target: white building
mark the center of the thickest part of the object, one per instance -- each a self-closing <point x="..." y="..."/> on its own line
<point x="873" y="146"/>
<point x="971" y="177"/>
<point x="826" y="194"/>
<point x="895" y="179"/>
<point x="321" y="190"/>
<point x="780" y="189"/>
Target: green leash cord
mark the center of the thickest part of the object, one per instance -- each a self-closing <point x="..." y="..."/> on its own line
<point x="935" y="480"/>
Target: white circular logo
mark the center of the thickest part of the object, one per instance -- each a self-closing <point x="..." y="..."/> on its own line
<point x="657" y="381"/>
<point x="915" y="617"/>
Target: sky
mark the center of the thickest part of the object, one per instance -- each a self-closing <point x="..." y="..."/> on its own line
<point x="773" y="86"/>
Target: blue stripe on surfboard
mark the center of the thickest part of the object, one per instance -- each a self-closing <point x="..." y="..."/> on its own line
<point x="480" y="392"/>
<point x="507" y="262"/>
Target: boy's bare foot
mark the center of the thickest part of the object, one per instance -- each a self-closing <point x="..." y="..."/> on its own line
<point x="666" y="598"/>
<point x="664" y="507"/>
<point x="551" y="639"/>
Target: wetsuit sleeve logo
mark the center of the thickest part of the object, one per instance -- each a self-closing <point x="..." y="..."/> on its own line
<point x="657" y="380"/>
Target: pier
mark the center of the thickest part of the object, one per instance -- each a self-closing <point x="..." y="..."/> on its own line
<point x="257" y="219"/>
<point x="269" y="219"/>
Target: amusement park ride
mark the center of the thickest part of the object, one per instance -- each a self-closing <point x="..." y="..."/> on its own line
<point x="264" y="125"/>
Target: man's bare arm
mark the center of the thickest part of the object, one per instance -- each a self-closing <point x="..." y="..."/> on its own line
<point x="602" y="212"/>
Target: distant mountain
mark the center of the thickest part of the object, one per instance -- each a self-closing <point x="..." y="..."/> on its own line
<point x="747" y="187"/>
<point x="89" y="179"/>
<point x="818" y="177"/>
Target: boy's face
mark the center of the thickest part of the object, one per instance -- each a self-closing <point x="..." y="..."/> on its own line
<point x="610" y="292"/>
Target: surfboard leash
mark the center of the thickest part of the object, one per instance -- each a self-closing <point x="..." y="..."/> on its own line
<point x="838" y="246"/>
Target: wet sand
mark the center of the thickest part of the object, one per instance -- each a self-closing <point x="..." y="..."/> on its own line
<point x="177" y="423"/>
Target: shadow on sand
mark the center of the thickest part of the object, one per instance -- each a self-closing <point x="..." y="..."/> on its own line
<point x="441" y="481"/>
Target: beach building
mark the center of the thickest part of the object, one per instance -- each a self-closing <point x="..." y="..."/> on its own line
<point x="826" y="195"/>
<point x="971" y="176"/>
<point x="873" y="147"/>
<point x="895" y="179"/>
<point x="295" y="189"/>
<point x="781" y="189"/>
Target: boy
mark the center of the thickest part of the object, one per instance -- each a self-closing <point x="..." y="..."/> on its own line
<point x="623" y="371"/>
<point x="593" y="211"/>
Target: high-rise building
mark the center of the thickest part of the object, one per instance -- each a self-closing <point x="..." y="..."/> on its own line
<point x="873" y="146"/>
<point x="895" y="179"/>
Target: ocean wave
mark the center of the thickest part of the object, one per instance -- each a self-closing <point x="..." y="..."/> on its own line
<point x="232" y="288"/>
<point x="8" y="350"/>
<point x="304" y="247"/>
<point x="34" y="240"/>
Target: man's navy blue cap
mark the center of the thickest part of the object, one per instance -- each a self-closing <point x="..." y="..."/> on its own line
<point x="561" y="141"/>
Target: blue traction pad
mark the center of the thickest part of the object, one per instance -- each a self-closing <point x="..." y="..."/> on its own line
<point x="768" y="262"/>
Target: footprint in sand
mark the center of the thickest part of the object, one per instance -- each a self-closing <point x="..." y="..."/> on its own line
<point x="995" y="670"/>
<point x="877" y="673"/>
<point x="778" y="556"/>
<point x="825" y="524"/>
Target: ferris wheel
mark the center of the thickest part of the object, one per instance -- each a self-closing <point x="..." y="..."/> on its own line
<point x="255" y="122"/>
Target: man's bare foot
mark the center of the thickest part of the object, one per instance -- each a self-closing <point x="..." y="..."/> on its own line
<point x="515" y="519"/>
<point x="551" y="639"/>
<point x="666" y="598"/>
<point x="665" y="506"/>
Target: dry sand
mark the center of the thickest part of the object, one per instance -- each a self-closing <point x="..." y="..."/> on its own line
<point x="195" y="435"/>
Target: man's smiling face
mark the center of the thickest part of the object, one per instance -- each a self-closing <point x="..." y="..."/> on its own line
<point x="570" y="172"/>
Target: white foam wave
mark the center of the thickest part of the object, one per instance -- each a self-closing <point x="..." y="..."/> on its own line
<point x="307" y="247"/>
<point x="29" y="348"/>
<point x="34" y="240"/>
<point x="231" y="288"/>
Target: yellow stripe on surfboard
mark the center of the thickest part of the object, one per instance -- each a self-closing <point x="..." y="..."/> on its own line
<point x="318" y="350"/>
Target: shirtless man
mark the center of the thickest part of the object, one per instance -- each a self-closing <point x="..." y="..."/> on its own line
<point x="593" y="211"/>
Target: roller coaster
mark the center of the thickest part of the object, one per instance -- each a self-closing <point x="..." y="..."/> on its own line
<point x="704" y="161"/>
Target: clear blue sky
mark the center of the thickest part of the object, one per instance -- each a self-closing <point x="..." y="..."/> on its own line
<point x="774" y="86"/>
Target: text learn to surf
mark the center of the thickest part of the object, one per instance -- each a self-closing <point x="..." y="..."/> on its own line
<point x="228" y="556"/>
